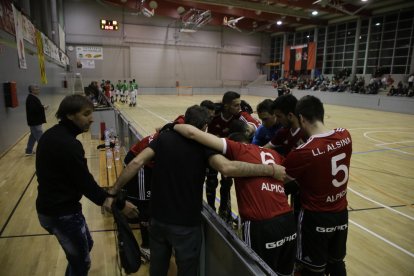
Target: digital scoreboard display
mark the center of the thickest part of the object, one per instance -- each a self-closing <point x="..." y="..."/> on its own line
<point x="109" y="25"/>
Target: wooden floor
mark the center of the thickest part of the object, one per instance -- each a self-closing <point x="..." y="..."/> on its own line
<point x="380" y="194"/>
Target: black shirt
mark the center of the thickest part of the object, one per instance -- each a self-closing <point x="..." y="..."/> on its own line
<point x="62" y="172"/>
<point x="35" y="112"/>
<point x="177" y="179"/>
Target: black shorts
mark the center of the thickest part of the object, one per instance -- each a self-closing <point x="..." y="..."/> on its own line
<point x="321" y="238"/>
<point x="139" y="187"/>
<point x="274" y="241"/>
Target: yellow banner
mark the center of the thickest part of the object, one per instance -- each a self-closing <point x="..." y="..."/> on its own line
<point x="41" y="57"/>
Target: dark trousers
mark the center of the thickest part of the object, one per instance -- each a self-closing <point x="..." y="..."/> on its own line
<point x="186" y="242"/>
<point x="225" y="186"/>
<point x="73" y="235"/>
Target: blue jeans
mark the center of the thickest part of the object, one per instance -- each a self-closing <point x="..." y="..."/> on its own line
<point x="35" y="134"/>
<point x="73" y="235"/>
<point x="186" y="242"/>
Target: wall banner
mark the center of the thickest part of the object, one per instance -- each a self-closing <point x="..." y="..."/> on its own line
<point x="18" y="25"/>
<point x="89" y="52"/>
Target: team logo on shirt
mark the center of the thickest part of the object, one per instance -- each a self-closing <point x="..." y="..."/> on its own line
<point x="273" y="187"/>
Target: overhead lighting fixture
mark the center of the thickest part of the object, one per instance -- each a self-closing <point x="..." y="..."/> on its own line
<point x="315" y="13"/>
<point x="279" y="22"/>
<point x="148" y="13"/>
<point x="364" y="0"/>
<point x="232" y="22"/>
<point x="377" y="24"/>
<point x="307" y="36"/>
<point x="195" y="19"/>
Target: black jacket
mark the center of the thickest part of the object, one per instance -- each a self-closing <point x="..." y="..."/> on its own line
<point x="35" y="112"/>
<point x="62" y="172"/>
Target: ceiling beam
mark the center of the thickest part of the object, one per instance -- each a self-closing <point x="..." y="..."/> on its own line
<point x="237" y="12"/>
<point x="262" y="7"/>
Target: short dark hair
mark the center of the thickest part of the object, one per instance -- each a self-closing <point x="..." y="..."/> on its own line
<point x="229" y="96"/>
<point x="285" y="103"/>
<point x="237" y="126"/>
<point x="311" y="108"/>
<point x="265" y="106"/>
<point x="197" y="116"/>
<point x="208" y="104"/>
<point x="239" y="137"/>
<point x="72" y="104"/>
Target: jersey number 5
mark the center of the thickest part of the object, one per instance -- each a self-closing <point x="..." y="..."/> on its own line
<point x="336" y="169"/>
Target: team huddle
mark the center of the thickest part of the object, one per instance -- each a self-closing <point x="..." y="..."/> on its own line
<point x="292" y="154"/>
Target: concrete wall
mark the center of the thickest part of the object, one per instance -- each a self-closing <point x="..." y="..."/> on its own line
<point x="156" y="54"/>
<point x="13" y="120"/>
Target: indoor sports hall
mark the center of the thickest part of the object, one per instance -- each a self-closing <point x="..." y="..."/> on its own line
<point x="355" y="56"/>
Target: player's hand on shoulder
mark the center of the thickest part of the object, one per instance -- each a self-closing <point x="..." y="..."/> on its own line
<point x="279" y="172"/>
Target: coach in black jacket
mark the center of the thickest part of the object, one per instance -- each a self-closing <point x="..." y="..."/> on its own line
<point x="64" y="177"/>
<point x="35" y="113"/>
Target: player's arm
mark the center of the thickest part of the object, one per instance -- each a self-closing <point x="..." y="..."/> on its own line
<point x="244" y="169"/>
<point x="131" y="170"/>
<point x="207" y="139"/>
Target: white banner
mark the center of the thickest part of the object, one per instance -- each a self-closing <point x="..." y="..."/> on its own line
<point x="18" y="25"/>
<point x="89" y="52"/>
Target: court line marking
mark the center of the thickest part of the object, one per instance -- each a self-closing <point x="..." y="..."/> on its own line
<point x="380" y="150"/>
<point x="393" y="143"/>
<point x="383" y="239"/>
<point x="381" y="143"/>
<point x="380" y="204"/>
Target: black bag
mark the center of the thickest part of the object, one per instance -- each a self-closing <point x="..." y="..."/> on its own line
<point x="128" y="248"/>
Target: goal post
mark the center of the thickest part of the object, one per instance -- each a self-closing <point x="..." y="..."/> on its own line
<point x="184" y="90"/>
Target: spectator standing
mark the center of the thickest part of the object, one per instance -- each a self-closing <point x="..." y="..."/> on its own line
<point x="410" y="81"/>
<point x="321" y="168"/>
<point x="35" y="114"/>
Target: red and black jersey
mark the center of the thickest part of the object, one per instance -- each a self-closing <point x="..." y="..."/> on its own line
<point x="258" y="198"/>
<point x="321" y="167"/>
<point x="142" y="144"/>
<point x="180" y="119"/>
<point x="219" y="126"/>
<point x="288" y="139"/>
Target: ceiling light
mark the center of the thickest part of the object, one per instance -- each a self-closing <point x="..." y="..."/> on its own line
<point x="364" y="0"/>
<point x="307" y="36"/>
<point x="377" y="24"/>
<point x="279" y="22"/>
<point x="315" y="13"/>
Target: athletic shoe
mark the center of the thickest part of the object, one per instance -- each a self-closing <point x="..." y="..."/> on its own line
<point x="146" y="253"/>
<point x="30" y="154"/>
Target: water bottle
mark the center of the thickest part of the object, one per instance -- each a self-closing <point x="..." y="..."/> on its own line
<point x="109" y="158"/>
<point x="116" y="149"/>
<point x="106" y="137"/>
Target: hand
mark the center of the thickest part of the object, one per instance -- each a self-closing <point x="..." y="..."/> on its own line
<point x="107" y="205"/>
<point x="279" y="172"/>
<point x="130" y="210"/>
<point x="169" y="126"/>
